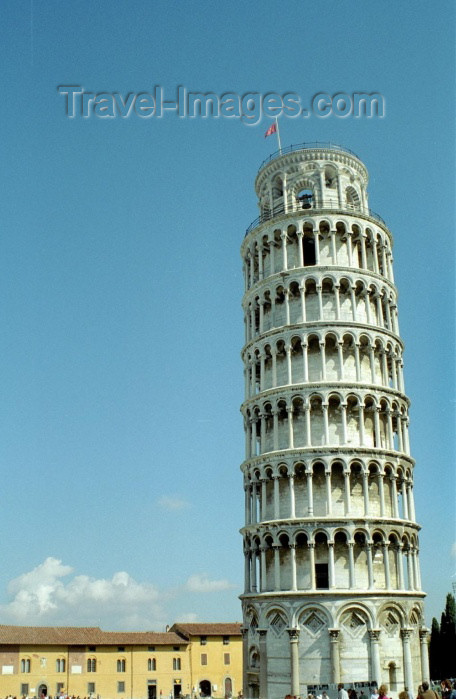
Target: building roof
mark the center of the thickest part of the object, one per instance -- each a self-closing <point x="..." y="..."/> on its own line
<point x="83" y="636"/>
<point x="216" y="629"/>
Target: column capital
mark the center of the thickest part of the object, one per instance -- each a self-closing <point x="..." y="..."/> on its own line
<point x="334" y="635"/>
<point x="262" y="634"/>
<point x="405" y="634"/>
<point x="424" y="634"/>
<point x="374" y="635"/>
<point x="294" y="635"/>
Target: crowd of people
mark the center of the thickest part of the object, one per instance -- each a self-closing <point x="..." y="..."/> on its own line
<point x="447" y="690"/>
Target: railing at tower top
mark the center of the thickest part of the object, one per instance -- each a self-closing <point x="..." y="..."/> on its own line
<point x="314" y="145"/>
<point x="348" y="209"/>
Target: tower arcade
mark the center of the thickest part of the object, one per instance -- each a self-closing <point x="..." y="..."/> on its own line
<point x="332" y="587"/>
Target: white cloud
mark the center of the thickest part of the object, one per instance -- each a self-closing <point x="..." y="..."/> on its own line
<point x="41" y="597"/>
<point x="173" y="503"/>
<point x="201" y="583"/>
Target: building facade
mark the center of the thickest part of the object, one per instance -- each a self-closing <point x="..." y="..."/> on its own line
<point x="89" y="662"/>
<point x="332" y="580"/>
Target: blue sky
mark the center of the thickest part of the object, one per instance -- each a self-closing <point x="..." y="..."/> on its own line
<point x="120" y="286"/>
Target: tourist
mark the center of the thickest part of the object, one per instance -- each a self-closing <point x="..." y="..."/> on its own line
<point x="374" y="694"/>
<point x="341" y="692"/>
<point x="427" y="693"/>
<point x="382" y="690"/>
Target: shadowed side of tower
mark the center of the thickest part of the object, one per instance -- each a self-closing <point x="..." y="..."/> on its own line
<point x="332" y="581"/>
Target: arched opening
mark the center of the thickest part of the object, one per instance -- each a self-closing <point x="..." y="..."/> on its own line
<point x="42" y="691"/>
<point x="205" y="688"/>
<point x="228" y="688"/>
<point x="304" y="199"/>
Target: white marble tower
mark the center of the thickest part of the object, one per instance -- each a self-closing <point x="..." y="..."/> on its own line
<point x="332" y="579"/>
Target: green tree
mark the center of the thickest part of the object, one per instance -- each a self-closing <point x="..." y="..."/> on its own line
<point x="435" y="664"/>
<point x="448" y="638"/>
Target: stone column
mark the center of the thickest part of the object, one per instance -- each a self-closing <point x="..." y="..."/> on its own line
<point x="323" y="360"/>
<point x="292" y="496"/>
<point x="366" y="493"/>
<point x="290" y="427"/>
<point x="305" y="360"/>
<point x="370" y="569"/>
<point x="424" y="648"/>
<point x="294" y="580"/>
<point x="328" y="492"/>
<point x="335" y="655"/>
<point x="284" y="251"/>
<point x="276" y="497"/>
<point x="300" y="235"/>
<point x="289" y="377"/>
<point x="374" y="635"/>
<point x="317" y="262"/>
<point x="336" y="293"/>
<point x="340" y="353"/>
<point x="333" y="247"/>
<point x="343" y="407"/>
<point x="347" y="499"/>
<point x="386" y="565"/>
<point x="294" y="661"/>
<point x="307" y="409"/>
<point x="408" y="671"/>
<point x="361" y="425"/>
<point x="332" y="573"/>
<point x="263" y="663"/>
<point x="263" y="585"/>
<point x="309" y="475"/>
<point x="324" y="407"/>
<point x="302" y="290"/>
<point x="247" y="570"/>
<point x="351" y="566"/>
<point x="276" y="567"/>
<point x="312" y="565"/>
<point x="320" y="301"/>
<point x="381" y="493"/>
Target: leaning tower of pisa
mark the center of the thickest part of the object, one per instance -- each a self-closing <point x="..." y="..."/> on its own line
<point x="332" y="580"/>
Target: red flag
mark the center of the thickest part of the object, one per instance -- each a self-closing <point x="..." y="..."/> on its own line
<point x="272" y="129"/>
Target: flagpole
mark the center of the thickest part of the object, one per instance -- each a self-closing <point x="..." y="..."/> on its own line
<point x="278" y="136"/>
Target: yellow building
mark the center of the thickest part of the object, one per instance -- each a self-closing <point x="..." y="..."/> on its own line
<point x="215" y="657"/>
<point x="89" y="662"/>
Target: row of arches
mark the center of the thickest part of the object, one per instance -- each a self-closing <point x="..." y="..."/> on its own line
<point x="317" y="242"/>
<point x="352" y="357"/>
<point x="321" y="299"/>
<point x="337" y="561"/>
<point x="374" y="616"/>
<point x="333" y="419"/>
<point x="319" y="489"/>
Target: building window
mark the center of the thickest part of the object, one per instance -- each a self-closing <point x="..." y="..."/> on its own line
<point x="91" y="687"/>
<point x="25" y="665"/>
<point x="121" y="664"/>
<point x="59" y="688"/>
<point x="152" y="664"/>
<point x="24" y="690"/>
<point x="121" y="649"/>
<point x="321" y="576"/>
<point x="226" y="640"/>
<point x="151" y="649"/>
<point x="226" y="659"/>
<point x="203" y="640"/>
<point x="121" y="687"/>
<point x="203" y="658"/>
<point x="60" y="665"/>
<point x="91" y="664"/>
<point x="92" y="649"/>
<point x="176" y="647"/>
<point x="176" y="663"/>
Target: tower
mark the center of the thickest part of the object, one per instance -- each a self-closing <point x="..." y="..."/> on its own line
<point x="332" y="581"/>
